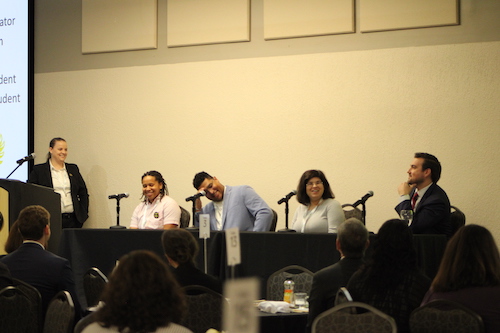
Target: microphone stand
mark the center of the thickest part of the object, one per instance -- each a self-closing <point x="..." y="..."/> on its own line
<point x="10" y="174"/>
<point x="117" y="226"/>
<point x="286" y="218"/>
<point x="193" y="210"/>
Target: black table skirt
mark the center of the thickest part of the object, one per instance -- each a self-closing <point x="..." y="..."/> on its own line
<point x="262" y="253"/>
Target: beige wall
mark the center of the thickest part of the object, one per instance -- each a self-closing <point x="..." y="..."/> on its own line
<point x="358" y="115"/>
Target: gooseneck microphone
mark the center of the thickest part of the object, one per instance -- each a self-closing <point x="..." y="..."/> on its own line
<point x="26" y="158"/>
<point x="287" y="197"/>
<point x="118" y="196"/>
<point x="363" y="199"/>
<point x="196" y="196"/>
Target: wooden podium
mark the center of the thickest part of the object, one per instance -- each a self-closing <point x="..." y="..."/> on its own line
<point x="15" y="195"/>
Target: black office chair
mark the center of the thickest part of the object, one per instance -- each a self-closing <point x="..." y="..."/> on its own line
<point x="442" y="316"/>
<point x="35" y="318"/>
<point x="204" y="309"/>
<point x="302" y="277"/>
<point x="337" y="320"/>
<point x="457" y="219"/>
<point x="60" y="314"/>
<point x="94" y="282"/>
<point x="274" y="221"/>
<point x="185" y="217"/>
<point x="15" y="316"/>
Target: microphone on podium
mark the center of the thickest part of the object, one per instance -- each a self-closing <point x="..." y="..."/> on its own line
<point x="363" y="199"/>
<point x="196" y="196"/>
<point x="118" y="196"/>
<point x="287" y="197"/>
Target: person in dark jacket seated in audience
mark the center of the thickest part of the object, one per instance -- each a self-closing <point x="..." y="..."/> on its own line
<point x="5" y="278"/>
<point x="181" y="249"/>
<point x="141" y="296"/>
<point x="470" y="275"/>
<point x="352" y="241"/>
<point x="34" y="265"/>
<point x="391" y="281"/>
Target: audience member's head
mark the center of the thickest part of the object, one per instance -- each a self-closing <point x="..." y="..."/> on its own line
<point x="471" y="259"/>
<point x="33" y="223"/>
<point x="393" y="256"/>
<point x="180" y="246"/>
<point x="15" y="239"/>
<point x="302" y="195"/>
<point x="141" y="295"/>
<point x="352" y="238"/>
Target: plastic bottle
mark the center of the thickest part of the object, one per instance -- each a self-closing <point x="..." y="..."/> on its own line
<point x="288" y="295"/>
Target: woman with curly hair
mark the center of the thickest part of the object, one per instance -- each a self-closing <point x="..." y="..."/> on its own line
<point x="391" y="281"/>
<point x="469" y="274"/>
<point x="157" y="210"/>
<point x="141" y="296"/>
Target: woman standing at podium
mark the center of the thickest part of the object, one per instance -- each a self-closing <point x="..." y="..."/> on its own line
<point x="65" y="179"/>
<point x="157" y="210"/>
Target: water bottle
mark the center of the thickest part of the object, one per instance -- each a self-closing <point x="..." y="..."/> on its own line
<point x="289" y="286"/>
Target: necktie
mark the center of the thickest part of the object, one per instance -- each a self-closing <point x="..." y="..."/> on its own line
<point x="414" y="200"/>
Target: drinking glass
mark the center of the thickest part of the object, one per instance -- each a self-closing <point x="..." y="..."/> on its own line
<point x="407" y="215"/>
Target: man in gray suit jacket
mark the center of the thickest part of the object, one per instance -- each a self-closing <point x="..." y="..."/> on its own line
<point x="232" y="206"/>
<point x="352" y="241"/>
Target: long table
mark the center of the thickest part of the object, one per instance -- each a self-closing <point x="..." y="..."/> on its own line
<point x="262" y="253"/>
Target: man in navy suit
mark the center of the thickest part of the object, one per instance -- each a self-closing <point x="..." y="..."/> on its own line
<point x="429" y="202"/>
<point x="34" y="265"/>
<point x="352" y="241"/>
<point x="232" y="206"/>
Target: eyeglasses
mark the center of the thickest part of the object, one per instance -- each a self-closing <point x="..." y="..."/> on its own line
<point x="312" y="184"/>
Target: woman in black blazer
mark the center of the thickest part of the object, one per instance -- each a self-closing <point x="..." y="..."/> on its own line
<point x="65" y="179"/>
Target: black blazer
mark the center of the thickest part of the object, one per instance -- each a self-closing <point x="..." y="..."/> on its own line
<point x="5" y="278"/>
<point x="432" y="215"/>
<point x="189" y="275"/>
<point x="43" y="270"/>
<point x="41" y="175"/>
<point x="326" y="283"/>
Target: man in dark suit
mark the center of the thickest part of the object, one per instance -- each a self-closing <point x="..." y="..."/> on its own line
<point x="32" y="264"/>
<point x="5" y="278"/>
<point x="429" y="202"/>
<point x="352" y="241"/>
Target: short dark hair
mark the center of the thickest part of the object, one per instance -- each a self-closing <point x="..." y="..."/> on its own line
<point x="179" y="245"/>
<point x="199" y="178"/>
<point x="159" y="178"/>
<point x="141" y="295"/>
<point x="52" y="143"/>
<point x="32" y="221"/>
<point x="352" y="235"/>
<point x="302" y="196"/>
<point x="430" y="162"/>
<point x="471" y="259"/>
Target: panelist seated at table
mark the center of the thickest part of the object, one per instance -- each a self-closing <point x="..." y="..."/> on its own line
<point x="420" y="193"/>
<point x="181" y="249"/>
<point x="232" y="206"/>
<point x="319" y="211"/>
<point x="157" y="210"/>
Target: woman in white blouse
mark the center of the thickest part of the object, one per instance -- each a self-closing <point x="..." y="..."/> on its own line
<point x="157" y="210"/>
<point x="319" y="211"/>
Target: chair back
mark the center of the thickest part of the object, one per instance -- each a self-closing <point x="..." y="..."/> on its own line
<point x="85" y="321"/>
<point x="351" y="211"/>
<point x="442" y="316"/>
<point x="343" y="296"/>
<point x="60" y="314"/>
<point x="35" y="318"/>
<point x="337" y="320"/>
<point x="185" y="217"/>
<point x="94" y="282"/>
<point x="204" y="309"/>
<point x="14" y="317"/>
<point x="457" y="219"/>
<point x="302" y="277"/>
<point x="274" y="221"/>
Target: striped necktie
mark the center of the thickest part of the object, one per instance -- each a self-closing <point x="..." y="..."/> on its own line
<point x="414" y="200"/>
